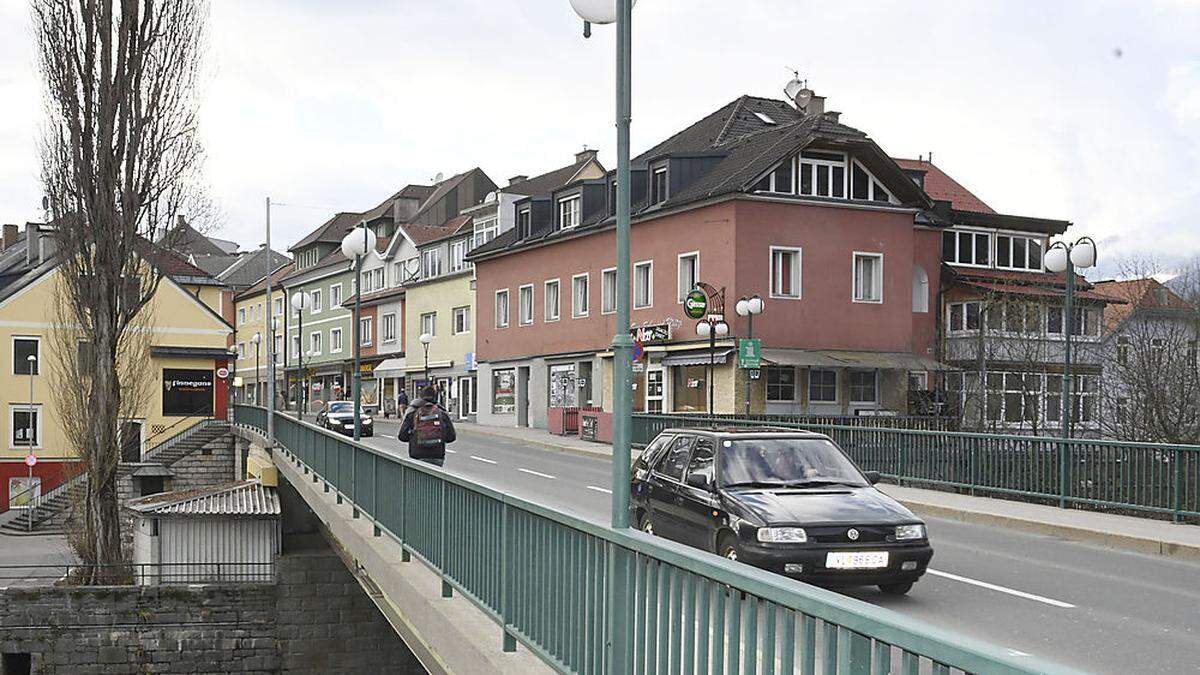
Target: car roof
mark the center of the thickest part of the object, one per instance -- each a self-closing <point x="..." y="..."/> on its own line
<point x="746" y="432"/>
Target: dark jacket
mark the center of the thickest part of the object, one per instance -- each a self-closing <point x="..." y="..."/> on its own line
<point x="402" y="399"/>
<point x="406" y="432"/>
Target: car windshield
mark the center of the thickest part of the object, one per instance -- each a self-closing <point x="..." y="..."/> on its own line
<point x="341" y="407"/>
<point x="785" y="462"/>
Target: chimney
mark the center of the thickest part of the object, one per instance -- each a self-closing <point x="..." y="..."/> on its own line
<point x="585" y="155"/>
<point x="816" y="106"/>
<point x="10" y="236"/>
<point x="180" y="221"/>
<point x="517" y="179"/>
<point x="832" y="116"/>
<point x="33" y="247"/>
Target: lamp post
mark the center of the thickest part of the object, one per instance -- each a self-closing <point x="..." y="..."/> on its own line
<point x="272" y="354"/>
<point x="355" y="246"/>
<point x="711" y="327"/>
<point x="425" y="339"/>
<point x="620" y="632"/>
<point x="32" y="361"/>
<point x="300" y="303"/>
<point x="257" y="340"/>
<point x="748" y="307"/>
<point x="1063" y="257"/>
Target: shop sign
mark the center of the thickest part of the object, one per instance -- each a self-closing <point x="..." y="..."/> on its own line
<point x="588" y="427"/>
<point x="222" y="372"/>
<point x="469" y="359"/>
<point x="750" y="353"/>
<point x="651" y="333"/>
<point x="695" y="305"/>
<point x="187" y="393"/>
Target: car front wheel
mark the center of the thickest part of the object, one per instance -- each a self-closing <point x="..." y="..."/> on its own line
<point x="727" y="546"/>
<point x="896" y="589"/>
<point x="645" y="524"/>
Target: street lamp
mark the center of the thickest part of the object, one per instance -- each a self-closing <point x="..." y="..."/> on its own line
<point x="300" y="303"/>
<point x="425" y="339"/>
<point x="32" y="361"/>
<point x="355" y="245"/>
<point x="257" y="340"/>
<point x="1063" y="257"/>
<point x="748" y="307"/>
<point x="710" y="328"/>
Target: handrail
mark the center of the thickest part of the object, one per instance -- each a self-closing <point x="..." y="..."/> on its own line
<point x="201" y="420"/>
<point x="577" y="592"/>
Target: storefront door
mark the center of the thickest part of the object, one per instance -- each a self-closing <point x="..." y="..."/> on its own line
<point x="655" y="390"/>
<point x="466" y="397"/>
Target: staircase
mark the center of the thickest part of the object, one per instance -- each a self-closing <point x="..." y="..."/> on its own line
<point x="51" y="511"/>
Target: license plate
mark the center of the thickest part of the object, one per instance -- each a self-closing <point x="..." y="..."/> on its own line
<point x="856" y="560"/>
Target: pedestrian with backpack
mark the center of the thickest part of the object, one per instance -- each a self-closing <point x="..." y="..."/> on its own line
<point x="427" y="429"/>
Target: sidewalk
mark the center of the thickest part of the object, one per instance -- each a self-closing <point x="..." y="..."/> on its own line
<point x="1141" y="535"/>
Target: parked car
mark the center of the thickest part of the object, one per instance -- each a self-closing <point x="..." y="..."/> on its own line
<point x="786" y="501"/>
<point x="339" y="416"/>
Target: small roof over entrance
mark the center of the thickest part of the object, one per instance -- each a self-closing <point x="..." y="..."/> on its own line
<point x="243" y="498"/>
<point x="393" y="367"/>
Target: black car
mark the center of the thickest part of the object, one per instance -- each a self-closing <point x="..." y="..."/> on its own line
<point x="339" y="416"/>
<point x="786" y="501"/>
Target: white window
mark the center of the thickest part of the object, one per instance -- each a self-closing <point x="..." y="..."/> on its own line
<point x="296" y="346"/>
<point x="964" y="247"/>
<point x="241" y="350"/>
<point x="379" y="279"/>
<point x="278" y="349"/>
<point x="822" y="386"/>
<point x="864" y="186"/>
<point x="278" y="306"/>
<point x="658" y="185"/>
<point x="551" y="310"/>
<point x="868" y="277"/>
<point x="525" y="306"/>
<point x="568" y="212"/>
<point x="963" y="316"/>
<point x="314" y="343"/>
<point x="429" y="323"/>
<point x="920" y="290"/>
<point x="397" y="273"/>
<point x="781" y="179"/>
<point x="524" y="222"/>
<point x="335" y="340"/>
<point x="822" y="174"/>
<point x="431" y="263"/>
<point x="608" y="291"/>
<point x="241" y="316"/>
<point x="458" y="254"/>
<point x="389" y="327"/>
<point x="1018" y="253"/>
<point x="25" y="421"/>
<point x="462" y="320"/>
<point x="485" y="231"/>
<point x="863" y="386"/>
<point x="315" y="298"/>
<point x="502" y="308"/>
<point x="785" y="272"/>
<point x="366" y="331"/>
<point x="23" y="348"/>
<point x="579" y="295"/>
<point x="688" y="265"/>
<point x="643" y="284"/>
<point x="335" y="295"/>
<point x="368" y="283"/>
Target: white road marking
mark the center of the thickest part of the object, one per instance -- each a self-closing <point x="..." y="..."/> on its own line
<point x="599" y="489"/>
<point x="1017" y="652"/>
<point x="453" y="452"/>
<point x="484" y="460"/>
<point x="1001" y="589"/>
<point x="535" y="473"/>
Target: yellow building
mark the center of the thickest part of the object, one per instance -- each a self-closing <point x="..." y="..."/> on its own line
<point x="186" y="352"/>
<point x="254" y="315"/>
<point x="443" y="308"/>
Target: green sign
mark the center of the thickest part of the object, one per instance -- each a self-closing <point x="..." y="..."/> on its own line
<point x="750" y="353"/>
<point x="695" y="305"/>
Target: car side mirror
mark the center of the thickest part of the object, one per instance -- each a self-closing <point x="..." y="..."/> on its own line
<point x="697" y="480"/>
<point x="872" y="476"/>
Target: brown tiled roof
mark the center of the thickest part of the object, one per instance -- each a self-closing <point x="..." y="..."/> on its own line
<point x="1138" y="294"/>
<point x="939" y="185"/>
<point x="331" y="231"/>
<point x="424" y="234"/>
<point x="549" y="181"/>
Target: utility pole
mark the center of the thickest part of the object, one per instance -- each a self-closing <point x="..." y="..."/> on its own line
<point x="271" y="341"/>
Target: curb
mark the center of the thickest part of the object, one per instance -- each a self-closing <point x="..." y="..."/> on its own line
<point x="567" y="449"/>
<point x="1124" y="542"/>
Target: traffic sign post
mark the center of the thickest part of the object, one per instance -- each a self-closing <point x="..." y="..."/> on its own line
<point x="750" y="353"/>
<point x="30" y="461"/>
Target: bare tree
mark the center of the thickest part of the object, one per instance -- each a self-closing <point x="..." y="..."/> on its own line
<point x="120" y="158"/>
<point x="1152" y="386"/>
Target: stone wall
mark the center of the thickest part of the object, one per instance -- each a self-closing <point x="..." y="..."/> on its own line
<point x="207" y="629"/>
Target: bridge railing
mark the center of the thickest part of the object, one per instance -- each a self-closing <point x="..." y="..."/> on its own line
<point x="1147" y="479"/>
<point x="590" y="599"/>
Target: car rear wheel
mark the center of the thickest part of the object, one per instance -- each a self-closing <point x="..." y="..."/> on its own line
<point x="896" y="589"/>
<point x="727" y="546"/>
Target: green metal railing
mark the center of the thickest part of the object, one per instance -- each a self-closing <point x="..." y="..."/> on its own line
<point x="1148" y="479"/>
<point x="591" y="599"/>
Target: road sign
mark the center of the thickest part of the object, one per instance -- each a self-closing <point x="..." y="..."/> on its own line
<point x="222" y="372"/>
<point x="638" y="351"/>
<point x="695" y="305"/>
<point x="750" y="353"/>
<point x="755" y="373"/>
<point x="30" y="460"/>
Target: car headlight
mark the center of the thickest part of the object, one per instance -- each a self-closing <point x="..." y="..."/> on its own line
<point x="335" y="421"/>
<point x="366" y="420"/>
<point x="910" y="532"/>
<point x="782" y="535"/>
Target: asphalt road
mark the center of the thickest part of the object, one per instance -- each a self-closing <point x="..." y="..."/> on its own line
<point x="1093" y="608"/>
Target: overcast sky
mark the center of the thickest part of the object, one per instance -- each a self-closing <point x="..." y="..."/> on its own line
<point x="1086" y="111"/>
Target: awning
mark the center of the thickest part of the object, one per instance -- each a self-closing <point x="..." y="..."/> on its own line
<point x="697" y="357"/>
<point x="393" y="367"/>
<point x="834" y="358"/>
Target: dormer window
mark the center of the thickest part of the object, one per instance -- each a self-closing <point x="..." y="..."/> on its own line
<point x="568" y="212"/>
<point x="1018" y="253"/>
<point x="822" y="174"/>
<point x="864" y="186"/>
<point x="523" y="222"/>
<point x="658" y="185"/>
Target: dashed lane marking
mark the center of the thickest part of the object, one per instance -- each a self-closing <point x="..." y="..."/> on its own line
<point x="1001" y="589"/>
<point x="597" y="488"/>
<point x="485" y="460"/>
<point x="535" y="473"/>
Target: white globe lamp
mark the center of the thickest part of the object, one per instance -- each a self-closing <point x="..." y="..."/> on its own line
<point x="597" y="11"/>
<point x="1056" y="258"/>
<point x="358" y="242"/>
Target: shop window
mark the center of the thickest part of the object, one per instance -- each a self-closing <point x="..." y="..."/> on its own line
<point x="689" y="388"/>
<point x="504" y="398"/>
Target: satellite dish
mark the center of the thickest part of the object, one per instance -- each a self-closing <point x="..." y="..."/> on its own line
<point x="491" y="197"/>
<point x="797" y="90"/>
<point x="793" y="87"/>
<point x="438" y="177"/>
